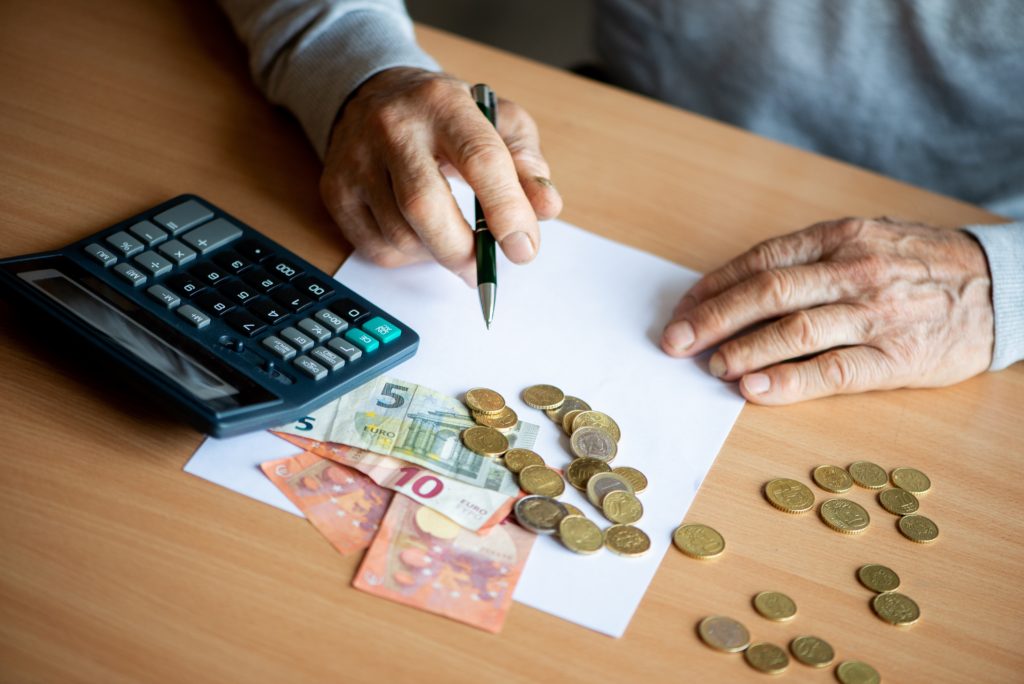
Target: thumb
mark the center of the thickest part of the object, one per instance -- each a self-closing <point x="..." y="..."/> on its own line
<point x="839" y="371"/>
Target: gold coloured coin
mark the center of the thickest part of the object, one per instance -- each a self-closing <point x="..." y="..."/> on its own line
<point x="634" y="476"/>
<point x="505" y="419"/>
<point x="570" y="404"/>
<point x="597" y="419"/>
<point x="832" y="478"/>
<point x="868" y="474"/>
<point x="898" y="501"/>
<point x="580" y="535"/>
<point x="517" y="459"/>
<point x="543" y="397"/>
<point x="483" y="400"/>
<point x="918" y="528"/>
<point x="767" y="658"/>
<point x="622" y="507"/>
<point x="627" y="540"/>
<point x="723" y="633"/>
<point x="436" y="524"/>
<point x="810" y="650"/>
<point x="857" y="672"/>
<point x="698" y="541"/>
<point x="911" y="479"/>
<point x="896" y="608"/>
<point x="572" y="509"/>
<point x="581" y="470"/>
<point x="789" y="495"/>
<point x="485" y="440"/>
<point x="775" y="605"/>
<point x="877" y="577"/>
<point x="540" y="514"/>
<point x="845" y="516"/>
<point x="567" y="420"/>
<point x="538" y="479"/>
<point x="593" y="442"/>
<point x="602" y="484"/>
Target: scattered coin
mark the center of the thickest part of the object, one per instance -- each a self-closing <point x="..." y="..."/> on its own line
<point x="485" y="441"/>
<point x="911" y="479"/>
<point x="505" y="419"/>
<point x="633" y="476"/>
<point x="857" y="672"/>
<point x="597" y="419"/>
<point x="602" y="484"/>
<point x="878" y="577"/>
<point x="543" y="397"/>
<point x="767" y="658"/>
<point x="572" y="509"/>
<point x="832" y="478"/>
<point x="698" y="541"/>
<point x="867" y="474"/>
<point x="789" y="495"/>
<point x="845" y="516"/>
<point x="898" y="501"/>
<point x="540" y="514"/>
<point x="810" y="650"/>
<point x="539" y="479"/>
<point x="622" y="507"/>
<point x="918" y="528"/>
<point x="517" y="459"/>
<point x="483" y="400"/>
<point x="567" y="420"/>
<point x="593" y="442"/>
<point x="723" y="633"/>
<point x="627" y="540"/>
<point x="775" y="605"/>
<point x="896" y="608"/>
<point x="570" y="404"/>
<point x="581" y="470"/>
<point x="580" y="535"/>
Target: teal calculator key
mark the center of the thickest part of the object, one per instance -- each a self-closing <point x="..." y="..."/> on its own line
<point x="362" y="340"/>
<point x="382" y="330"/>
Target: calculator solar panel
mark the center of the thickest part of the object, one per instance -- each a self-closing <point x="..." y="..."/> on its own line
<point x="236" y="330"/>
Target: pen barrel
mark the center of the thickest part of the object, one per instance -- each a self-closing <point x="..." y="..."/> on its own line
<point x="486" y="261"/>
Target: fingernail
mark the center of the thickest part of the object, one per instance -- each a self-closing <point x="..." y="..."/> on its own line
<point x="546" y="182"/>
<point x="679" y="335"/>
<point x="757" y="383"/>
<point x="717" y="365"/>
<point x="518" y="247"/>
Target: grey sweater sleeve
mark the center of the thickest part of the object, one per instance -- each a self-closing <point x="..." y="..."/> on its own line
<point x="1004" y="249"/>
<point x="309" y="55"/>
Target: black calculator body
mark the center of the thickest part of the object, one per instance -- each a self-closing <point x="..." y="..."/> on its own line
<point x="238" y="332"/>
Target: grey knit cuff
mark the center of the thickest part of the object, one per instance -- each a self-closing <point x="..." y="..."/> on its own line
<point x="1004" y="249"/>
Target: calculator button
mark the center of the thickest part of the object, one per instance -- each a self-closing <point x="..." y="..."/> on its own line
<point x="212" y="302"/>
<point x="148" y="233"/>
<point x="101" y="255"/>
<point x="362" y="340"/>
<point x="185" y="284"/>
<point x="283" y="268"/>
<point x="153" y="262"/>
<point x="263" y="281"/>
<point x="183" y="216"/>
<point x="269" y="310"/>
<point x="315" y="330"/>
<point x="164" y="296"/>
<point x="312" y="287"/>
<point x="291" y="298"/>
<point x="253" y="250"/>
<point x="232" y="261"/>
<point x="349" y="310"/>
<point x="244" y="322"/>
<point x="238" y="291"/>
<point x="310" y="367"/>
<point x="382" y="330"/>
<point x="208" y="273"/>
<point x="194" y="316"/>
<point x="279" y="347"/>
<point x="133" y="275"/>
<point x="177" y="251"/>
<point x="332" y="320"/>
<point x="124" y="244"/>
<point x="350" y="351"/>
<point x="300" y="341"/>
<point x="212" y="235"/>
<point x="327" y="358"/>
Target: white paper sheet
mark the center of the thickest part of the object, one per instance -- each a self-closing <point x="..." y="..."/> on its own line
<point x="586" y="316"/>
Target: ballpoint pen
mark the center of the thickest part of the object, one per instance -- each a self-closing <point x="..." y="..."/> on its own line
<point x="486" y="262"/>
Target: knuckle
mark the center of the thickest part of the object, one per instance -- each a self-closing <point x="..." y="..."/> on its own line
<point x="837" y="371"/>
<point x="420" y="206"/>
<point x="762" y="255"/>
<point x="801" y="332"/>
<point x="479" y="154"/>
<point x="385" y="257"/>
<point x="776" y="287"/>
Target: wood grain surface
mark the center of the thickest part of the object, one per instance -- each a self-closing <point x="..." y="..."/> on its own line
<point x="115" y="566"/>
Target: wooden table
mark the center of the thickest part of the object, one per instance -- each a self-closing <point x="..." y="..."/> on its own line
<point x="115" y="566"/>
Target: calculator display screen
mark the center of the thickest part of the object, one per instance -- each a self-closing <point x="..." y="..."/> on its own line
<point x="175" y="365"/>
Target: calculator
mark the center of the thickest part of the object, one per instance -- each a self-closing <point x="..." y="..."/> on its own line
<point x="236" y="331"/>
